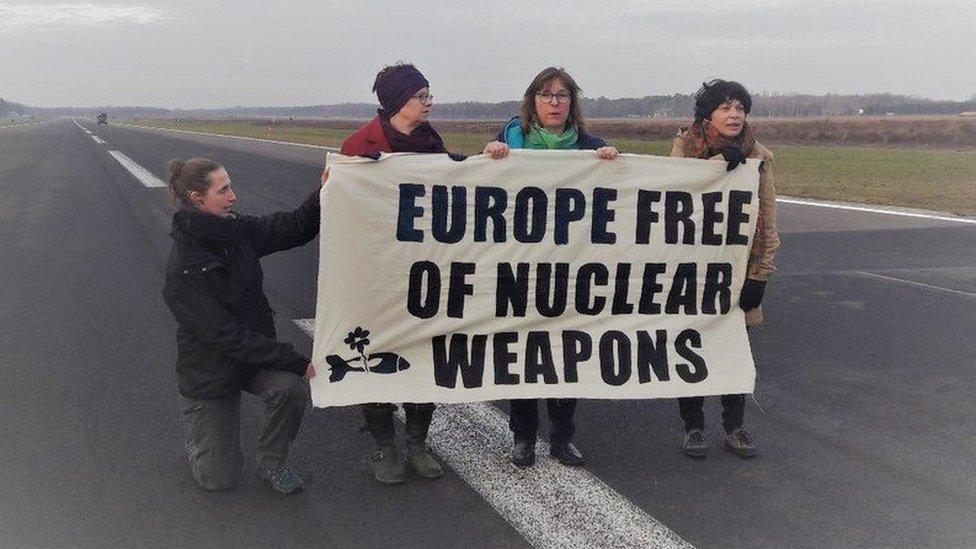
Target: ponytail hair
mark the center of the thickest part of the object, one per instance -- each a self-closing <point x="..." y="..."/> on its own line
<point x="187" y="176"/>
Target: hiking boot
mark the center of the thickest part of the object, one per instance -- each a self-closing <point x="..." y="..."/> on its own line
<point x="695" y="445"/>
<point x="523" y="453"/>
<point x="740" y="443"/>
<point x="387" y="467"/>
<point x="422" y="463"/>
<point x="418" y="418"/>
<point x="386" y="464"/>
<point x="567" y="454"/>
<point x="283" y="480"/>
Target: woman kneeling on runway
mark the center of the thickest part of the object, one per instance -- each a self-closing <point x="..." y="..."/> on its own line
<point x="225" y="326"/>
<point x="720" y="130"/>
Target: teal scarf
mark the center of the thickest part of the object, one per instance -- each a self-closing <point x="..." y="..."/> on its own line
<point x="539" y="138"/>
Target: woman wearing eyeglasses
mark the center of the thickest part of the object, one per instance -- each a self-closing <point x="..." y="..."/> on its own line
<point x="399" y="126"/>
<point x="551" y="118"/>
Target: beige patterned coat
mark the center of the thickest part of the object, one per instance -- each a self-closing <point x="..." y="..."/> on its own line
<point x="766" y="240"/>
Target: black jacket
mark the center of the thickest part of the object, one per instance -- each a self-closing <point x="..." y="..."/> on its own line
<point x="225" y="328"/>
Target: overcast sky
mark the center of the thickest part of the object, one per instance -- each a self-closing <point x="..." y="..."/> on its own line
<point x="214" y="53"/>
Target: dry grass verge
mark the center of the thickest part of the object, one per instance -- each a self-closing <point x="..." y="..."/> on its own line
<point x="935" y="179"/>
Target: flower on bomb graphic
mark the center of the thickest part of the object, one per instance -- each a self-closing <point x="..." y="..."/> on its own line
<point x="358" y="340"/>
<point x="381" y="362"/>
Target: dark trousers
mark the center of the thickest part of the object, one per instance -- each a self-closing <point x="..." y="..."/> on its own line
<point x="733" y="412"/>
<point x="378" y="417"/>
<point x="213" y="444"/>
<point x="523" y="418"/>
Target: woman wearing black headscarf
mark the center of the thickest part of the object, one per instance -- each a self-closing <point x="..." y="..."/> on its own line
<point x="400" y="126"/>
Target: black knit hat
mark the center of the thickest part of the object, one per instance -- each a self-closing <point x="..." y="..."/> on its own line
<point x="396" y="84"/>
<point x="715" y="92"/>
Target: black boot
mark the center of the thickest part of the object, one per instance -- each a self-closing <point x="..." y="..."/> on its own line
<point x="387" y="467"/>
<point x="567" y="453"/>
<point x="523" y="451"/>
<point x="418" y="424"/>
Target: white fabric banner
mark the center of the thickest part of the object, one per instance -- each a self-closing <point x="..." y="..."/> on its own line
<point x="544" y="274"/>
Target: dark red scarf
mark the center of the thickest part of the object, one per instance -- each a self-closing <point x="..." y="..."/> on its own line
<point x="423" y="139"/>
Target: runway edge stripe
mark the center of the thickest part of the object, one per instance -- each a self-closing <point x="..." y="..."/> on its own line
<point x="258" y="139"/>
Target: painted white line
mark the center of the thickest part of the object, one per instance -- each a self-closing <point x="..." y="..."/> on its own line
<point x="98" y="140"/>
<point x="306" y="325"/>
<point x="875" y="210"/>
<point x="80" y="126"/>
<point x="142" y="174"/>
<point x="917" y="284"/>
<point x="276" y="142"/>
<point x="549" y="504"/>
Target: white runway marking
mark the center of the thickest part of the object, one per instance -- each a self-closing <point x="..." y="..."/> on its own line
<point x="549" y="504"/>
<point x="276" y="142"/>
<point x="917" y="284"/>
<point x="80" y="126"/>
<point x="875" y="210"/>
<point x="142" y="174"/>
<point x="98" y="140"/>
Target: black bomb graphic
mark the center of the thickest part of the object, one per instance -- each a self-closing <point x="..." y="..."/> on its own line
<point x="375" y="363"/>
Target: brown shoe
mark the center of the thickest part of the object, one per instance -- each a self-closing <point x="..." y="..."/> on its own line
<point x="695" y="444"/>
<point x="387" y="467"/>
<point x="422" y="463"/>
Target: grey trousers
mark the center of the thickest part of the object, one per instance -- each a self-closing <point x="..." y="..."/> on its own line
<point x="213" y="444"/>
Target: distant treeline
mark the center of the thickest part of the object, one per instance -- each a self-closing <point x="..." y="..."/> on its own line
<point x="8" y="108"/>
<point x="656" y="106"/>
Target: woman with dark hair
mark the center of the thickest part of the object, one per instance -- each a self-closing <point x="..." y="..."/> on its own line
<point x="225" y="326"/>
<point x="551" y="118"/>
<point x="399" y="126"/>
<point x="720" y="129"/>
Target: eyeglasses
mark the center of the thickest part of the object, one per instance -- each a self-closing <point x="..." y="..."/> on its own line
<point x="546" y="97"/>
<point x="423" y="97"/>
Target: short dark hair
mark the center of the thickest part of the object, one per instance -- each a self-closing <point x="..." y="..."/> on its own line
<point x="715" y="92"/>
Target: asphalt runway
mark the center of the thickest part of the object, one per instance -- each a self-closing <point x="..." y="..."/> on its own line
<point x="865" y="381"/>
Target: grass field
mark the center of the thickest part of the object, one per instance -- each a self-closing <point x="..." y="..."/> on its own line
<point x="6" y="121"/>
<point x="939" y="179"/>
